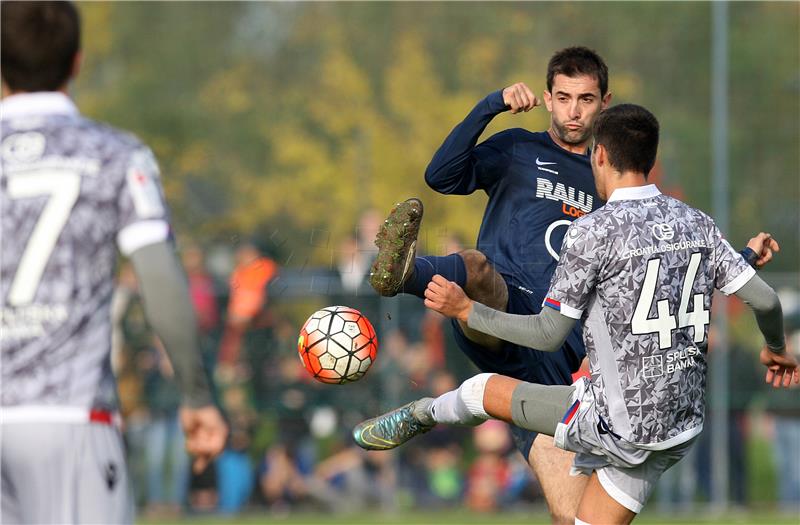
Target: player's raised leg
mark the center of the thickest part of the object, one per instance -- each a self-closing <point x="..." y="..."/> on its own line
<point x="396" y="268"/>
<point x="479" y="398"/>
<point x="527" y="405"/>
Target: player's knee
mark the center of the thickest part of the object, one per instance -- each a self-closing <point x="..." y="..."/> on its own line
<point x="541" y="445"/>
<point x="563" y="512"/>
<point x="483" y="281"/>
<point x="476" y="262"/>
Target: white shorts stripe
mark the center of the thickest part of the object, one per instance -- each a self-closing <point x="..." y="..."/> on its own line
<point x="617" y="494"/>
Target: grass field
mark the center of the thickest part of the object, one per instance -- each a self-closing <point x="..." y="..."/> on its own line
<point x="470" y="518"/>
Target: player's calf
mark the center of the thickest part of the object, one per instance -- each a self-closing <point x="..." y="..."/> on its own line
<point x="484" y="285"/>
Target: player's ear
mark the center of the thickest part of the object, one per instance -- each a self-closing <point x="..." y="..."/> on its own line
<point x="606" y="101"/>
<point x="548" y="100"/>
<point x="600" y="155"/>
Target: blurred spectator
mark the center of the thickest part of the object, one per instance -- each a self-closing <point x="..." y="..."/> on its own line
<point x="167" y="461"/>
<point x="155" y="431"/>
<point x="352" y="479"/>
<point x="203" y="496"/>
<point x="352" y="264"/>
<point x="489" y="476"/>
<point x="433" y="333"/>
<point x="282" y="478"/>
<point x="368" y="225"/>
<point x="201" y="289"/>
<point x="355" y="253"/>
<point x="784" y="406"/>
<point x="235" y="477"/>
<point x="125" y="288"/>
<point x="440" y="454"/>
<point x="744" y="378"/>
<point x="246" y="305"/>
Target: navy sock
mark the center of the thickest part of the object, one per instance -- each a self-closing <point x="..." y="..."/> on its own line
<point x="451" y="267"/>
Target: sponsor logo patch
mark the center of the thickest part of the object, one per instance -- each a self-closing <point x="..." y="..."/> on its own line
<point x="663" y="232"/>
<point x="545" y="189"/>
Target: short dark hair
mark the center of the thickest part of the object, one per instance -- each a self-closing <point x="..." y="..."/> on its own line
<point x="630" y="135"/>
<point x="574" y="61"/>
<point x="39" y="41"/>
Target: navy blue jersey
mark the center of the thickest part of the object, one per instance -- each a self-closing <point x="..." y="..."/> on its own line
<point x="535" y="187"/>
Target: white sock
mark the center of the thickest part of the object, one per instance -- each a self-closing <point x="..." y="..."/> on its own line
<point x="463" y="406"/>
<point x="580" y="522"/>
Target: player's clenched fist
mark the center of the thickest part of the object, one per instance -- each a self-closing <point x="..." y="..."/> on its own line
<point x="447" y="298"/>
<point x="205" y="433"/>
<point x="764" y="246"/>
<point x="518" y="97"/>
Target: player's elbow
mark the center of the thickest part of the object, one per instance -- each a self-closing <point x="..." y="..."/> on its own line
<point x="552" y="344"/>
<point x="432" y="178"/>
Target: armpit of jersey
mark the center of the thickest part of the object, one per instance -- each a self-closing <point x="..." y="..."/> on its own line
<point x="576" y="273"/>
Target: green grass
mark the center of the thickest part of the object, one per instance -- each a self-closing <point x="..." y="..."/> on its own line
<point x="471" y="518"/>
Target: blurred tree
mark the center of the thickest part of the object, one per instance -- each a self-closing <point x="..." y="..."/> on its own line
<point x="286" y="121"/>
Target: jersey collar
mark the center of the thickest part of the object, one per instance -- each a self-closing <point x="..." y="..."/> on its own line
<point x="39" y="103"/>
<point x="634" y="193"/>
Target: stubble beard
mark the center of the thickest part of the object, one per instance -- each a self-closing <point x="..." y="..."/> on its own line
<point x="571" y="137"/>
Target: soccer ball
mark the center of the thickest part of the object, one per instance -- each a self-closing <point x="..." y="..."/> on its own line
<point x="337" y="345"/>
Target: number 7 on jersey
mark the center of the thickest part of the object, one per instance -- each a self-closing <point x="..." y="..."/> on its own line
<point x="63" y="188"/>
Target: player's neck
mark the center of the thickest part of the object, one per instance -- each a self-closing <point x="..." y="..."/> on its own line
<point x="8" y="92"/>
<point x="625" y="179"/>
<point x="572" y="148"/>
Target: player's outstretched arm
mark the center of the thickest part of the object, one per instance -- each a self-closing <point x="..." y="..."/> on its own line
<point x="781" y="365"/>
<point x="167" y="304"/>
<point x="546" y="331"/>
<point x="782" y="369"/>
<point x="459" y="167"/>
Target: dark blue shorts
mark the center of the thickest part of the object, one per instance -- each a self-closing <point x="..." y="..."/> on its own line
<point x="526" y="364"/>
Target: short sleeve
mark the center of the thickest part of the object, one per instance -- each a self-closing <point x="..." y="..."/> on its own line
<point x="143" y="215"/>
<point x="731" y="270"/>
<point x="576" y="274"/>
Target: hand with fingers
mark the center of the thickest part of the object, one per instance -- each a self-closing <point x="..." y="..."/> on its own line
<point x="205" y="432"/>
<point x="764" y="246"/>
<point x="518" y="98"/>
<point x="781" y="368"/>
<point x="447" y="298"/>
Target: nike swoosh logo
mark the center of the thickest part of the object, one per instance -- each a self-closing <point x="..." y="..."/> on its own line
<point x="522" y="409"/>
<point x="542" y="163"/>
<point x="368" y="438"/>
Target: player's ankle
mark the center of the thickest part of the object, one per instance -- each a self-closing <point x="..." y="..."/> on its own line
<point x="422" y="411"/>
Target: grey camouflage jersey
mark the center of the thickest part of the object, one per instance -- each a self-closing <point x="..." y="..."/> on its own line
<point x="72" y="190"/>
<point x="640" y="272"/>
